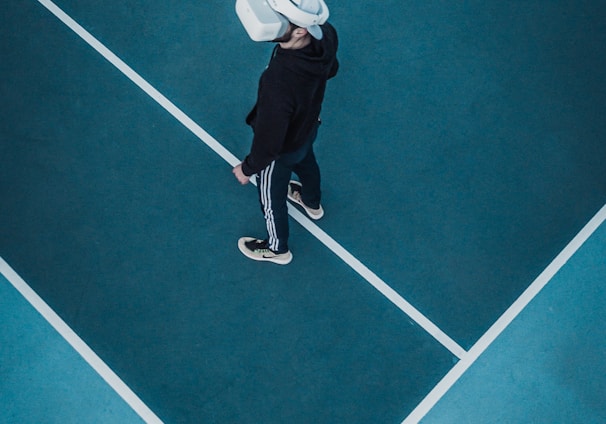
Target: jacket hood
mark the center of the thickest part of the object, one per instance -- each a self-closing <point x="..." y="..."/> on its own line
<point x="315" y="59"/>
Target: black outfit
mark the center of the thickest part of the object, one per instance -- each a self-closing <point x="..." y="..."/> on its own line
<point x="285" y="121"/>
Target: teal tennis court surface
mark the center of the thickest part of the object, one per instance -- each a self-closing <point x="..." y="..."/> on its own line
<point x="462" y="151"/>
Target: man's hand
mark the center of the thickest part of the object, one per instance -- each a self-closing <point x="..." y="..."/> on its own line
<point x="240" y="175"/>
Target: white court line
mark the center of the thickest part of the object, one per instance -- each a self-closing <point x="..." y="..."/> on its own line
<point x="377" y="283"/>
<point x="503" y="322"/>
<point x="78" y="344"/>
<point x="362" y="270"/>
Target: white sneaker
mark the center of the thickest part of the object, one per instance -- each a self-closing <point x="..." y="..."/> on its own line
<point x="259" y="250"/>
<point x="294" y="194"/>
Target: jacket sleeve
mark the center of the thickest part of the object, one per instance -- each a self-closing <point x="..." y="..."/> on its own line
<point x="334" y="40"/>
<point x="334" y="69"/>
<point x="271" y="121"/>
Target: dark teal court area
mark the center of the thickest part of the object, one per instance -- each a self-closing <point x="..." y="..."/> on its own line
<point x="462" y="148"/>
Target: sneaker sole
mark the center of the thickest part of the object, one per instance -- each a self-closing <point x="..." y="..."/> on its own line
<point x="283" y="259"/>
<point x="315" y="217"/>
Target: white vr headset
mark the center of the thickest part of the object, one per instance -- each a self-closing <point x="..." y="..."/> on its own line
<point x="266" y="20"/>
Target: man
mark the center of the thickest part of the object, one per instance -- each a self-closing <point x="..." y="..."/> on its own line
<point x="285" y="122"/>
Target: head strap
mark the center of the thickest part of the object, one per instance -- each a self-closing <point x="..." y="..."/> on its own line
<point x="297" y="16"/>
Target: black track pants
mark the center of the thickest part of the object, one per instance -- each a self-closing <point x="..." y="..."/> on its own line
<point x="272" y="184"/>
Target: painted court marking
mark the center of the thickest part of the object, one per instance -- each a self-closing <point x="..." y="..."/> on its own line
<point x="503" y="322"/>
<point x="78" y="344"/>
<point x="328" y="241"/>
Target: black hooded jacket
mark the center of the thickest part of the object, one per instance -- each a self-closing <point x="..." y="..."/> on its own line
<point x="289" y="99"/>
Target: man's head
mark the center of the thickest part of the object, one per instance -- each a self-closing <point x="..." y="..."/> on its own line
<point x="294" y="38"/>
<point x="312" y="7"/>
<point x="274" y="20"/>
<point x="288" y="35"/>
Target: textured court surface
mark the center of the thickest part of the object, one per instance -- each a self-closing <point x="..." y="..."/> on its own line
<point x="462" y="149"/>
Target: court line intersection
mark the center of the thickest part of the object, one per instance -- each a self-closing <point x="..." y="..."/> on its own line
<point x="505" y="319"/>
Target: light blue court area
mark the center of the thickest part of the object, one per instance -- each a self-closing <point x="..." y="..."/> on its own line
<point x="549" y="365"/>
<point x="42" y="378"/>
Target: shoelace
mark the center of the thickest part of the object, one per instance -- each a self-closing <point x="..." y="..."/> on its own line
<point x="262" y="247"/>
